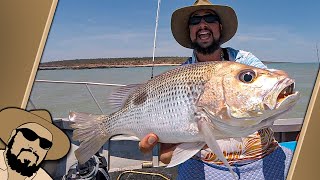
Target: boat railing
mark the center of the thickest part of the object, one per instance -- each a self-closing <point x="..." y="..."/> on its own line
<point x="283" y="128"/>
<point x="79" y="82"/>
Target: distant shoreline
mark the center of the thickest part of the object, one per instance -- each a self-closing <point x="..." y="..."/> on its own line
<point x="112" y="63"/>
<point x="105" y="66"/>
<point x="115" y="63"/>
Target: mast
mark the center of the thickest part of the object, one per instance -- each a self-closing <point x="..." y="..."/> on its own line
<point x="155" y="37"/>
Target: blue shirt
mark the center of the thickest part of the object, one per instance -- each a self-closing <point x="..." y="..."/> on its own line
<point x="239" y="56"/>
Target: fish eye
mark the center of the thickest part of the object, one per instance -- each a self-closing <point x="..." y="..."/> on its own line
<point x="247" y="76"/>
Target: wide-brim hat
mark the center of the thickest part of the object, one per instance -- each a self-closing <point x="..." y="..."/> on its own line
<point x="12" y="118"/>
<point x="180" y="18"/>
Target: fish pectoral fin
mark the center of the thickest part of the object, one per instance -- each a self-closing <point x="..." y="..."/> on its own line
<point x="209" y="135"/>
<point x="184" y="152"/>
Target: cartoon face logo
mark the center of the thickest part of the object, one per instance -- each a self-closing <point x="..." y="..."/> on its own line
<point x="28" y="147"/>
<point x="30" y="138"/>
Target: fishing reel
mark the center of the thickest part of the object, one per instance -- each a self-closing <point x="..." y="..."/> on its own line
<point x="96" y="168"/>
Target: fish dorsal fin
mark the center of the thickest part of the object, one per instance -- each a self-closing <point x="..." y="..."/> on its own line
<point x="184" y="152"/>
<point x="118" y="97"/>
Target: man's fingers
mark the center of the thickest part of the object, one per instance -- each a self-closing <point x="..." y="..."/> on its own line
<point x="148" y="142"/>
<point x="166" y="151"/>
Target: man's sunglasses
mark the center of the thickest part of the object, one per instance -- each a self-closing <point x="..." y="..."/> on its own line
<point x="32" y="136"/>
<point x="209" y="18"/>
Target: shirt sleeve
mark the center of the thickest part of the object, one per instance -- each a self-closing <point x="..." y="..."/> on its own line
<point x="245" y="57"/>
<point x="188" y="61"/>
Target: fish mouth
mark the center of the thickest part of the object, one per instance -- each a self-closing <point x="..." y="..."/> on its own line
<point x="288" y="96"/>
<point x="285" y="100"/>
<point x="286" y="91"/>
<point x="285" y="95"/>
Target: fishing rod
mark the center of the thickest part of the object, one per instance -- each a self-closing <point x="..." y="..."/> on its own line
<point x="155" y="37"/>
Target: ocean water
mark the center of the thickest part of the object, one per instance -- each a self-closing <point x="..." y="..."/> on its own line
<point x="59" y="99"/>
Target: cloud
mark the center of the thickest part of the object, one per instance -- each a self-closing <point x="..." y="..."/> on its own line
<point x="124" y="36"/>
<point x="246" y="38"/>
<point x="275" y="43"/>
<point x="91" y="20"/>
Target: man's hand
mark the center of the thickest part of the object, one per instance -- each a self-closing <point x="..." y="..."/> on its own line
<point x="148" y="142"/>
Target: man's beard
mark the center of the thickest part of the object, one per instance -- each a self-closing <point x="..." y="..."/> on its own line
<point x="215" y="45"/>
<point x="20" y="167"/>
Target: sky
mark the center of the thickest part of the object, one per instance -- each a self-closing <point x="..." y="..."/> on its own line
<point x="273" y="30"/>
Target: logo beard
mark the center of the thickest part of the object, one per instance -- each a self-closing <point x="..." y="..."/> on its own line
<point x="21" y="167"/>
<point x="17" y="165"/>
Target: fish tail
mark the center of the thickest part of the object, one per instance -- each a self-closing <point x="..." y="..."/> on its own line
<point x="90" y="131"/>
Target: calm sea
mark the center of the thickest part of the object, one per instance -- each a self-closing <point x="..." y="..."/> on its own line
<point x="59" y="99"/>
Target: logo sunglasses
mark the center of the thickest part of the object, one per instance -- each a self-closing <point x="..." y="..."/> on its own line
<point x="209" y="18"/>
<point x="32" y="136"/>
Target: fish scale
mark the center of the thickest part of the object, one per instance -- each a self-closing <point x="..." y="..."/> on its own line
<point x="176" y="101"/>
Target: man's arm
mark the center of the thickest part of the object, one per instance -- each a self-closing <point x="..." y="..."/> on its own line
<point x="245" y="57"/>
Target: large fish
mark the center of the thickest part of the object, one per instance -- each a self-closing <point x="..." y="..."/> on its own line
<point x="193" y="105"/>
